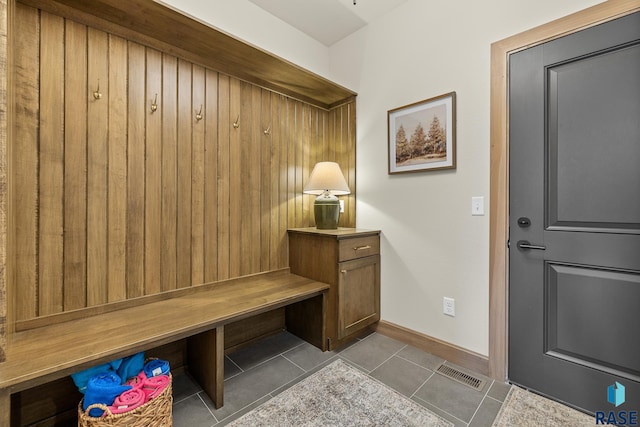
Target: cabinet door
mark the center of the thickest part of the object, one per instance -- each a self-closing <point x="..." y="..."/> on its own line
<point x="358" y="294"/>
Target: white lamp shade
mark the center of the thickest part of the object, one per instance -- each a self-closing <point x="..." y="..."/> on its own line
<point x="326" y="176"/>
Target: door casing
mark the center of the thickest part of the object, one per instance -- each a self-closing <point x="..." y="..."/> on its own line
<point x="499" y="159"/>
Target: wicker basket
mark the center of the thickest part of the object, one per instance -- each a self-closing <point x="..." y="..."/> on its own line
<point x="154" y="413"/>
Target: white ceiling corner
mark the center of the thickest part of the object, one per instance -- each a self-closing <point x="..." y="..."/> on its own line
<point x="327" y="21"/>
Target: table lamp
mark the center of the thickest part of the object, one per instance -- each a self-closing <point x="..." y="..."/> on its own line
<point x="326" y="181"/>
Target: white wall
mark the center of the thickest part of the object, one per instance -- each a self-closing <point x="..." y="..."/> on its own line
<point x="431" y="245"/>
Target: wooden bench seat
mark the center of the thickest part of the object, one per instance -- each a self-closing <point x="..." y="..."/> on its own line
<point x="43" y="354"/>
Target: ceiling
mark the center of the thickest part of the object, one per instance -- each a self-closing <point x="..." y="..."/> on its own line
<point x="327" y="21"/>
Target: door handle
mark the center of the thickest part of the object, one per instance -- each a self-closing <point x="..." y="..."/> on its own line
<point x="524" y="245"/>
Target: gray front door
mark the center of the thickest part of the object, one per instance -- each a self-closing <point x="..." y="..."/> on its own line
<point x="574" y="217"/>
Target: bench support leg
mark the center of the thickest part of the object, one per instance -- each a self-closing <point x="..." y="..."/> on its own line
<point x="5" y="407"/>
<point x="206" y="362"/>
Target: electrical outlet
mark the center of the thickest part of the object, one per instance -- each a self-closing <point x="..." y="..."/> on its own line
<point x="449" y="306"/>
<point x="341" y="205"/>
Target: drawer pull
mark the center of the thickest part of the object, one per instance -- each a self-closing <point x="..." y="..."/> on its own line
<point x="362" y="248"/>
<point x="343" y="271"/>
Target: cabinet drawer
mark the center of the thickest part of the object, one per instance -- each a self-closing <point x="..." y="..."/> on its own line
<point x="358" y="247"/>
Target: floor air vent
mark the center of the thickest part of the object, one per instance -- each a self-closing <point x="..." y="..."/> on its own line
<point x="461" y="377"/>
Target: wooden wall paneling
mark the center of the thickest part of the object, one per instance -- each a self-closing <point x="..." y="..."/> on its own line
<point x="340" y="149"/>
<point x="75" y="166"/>
<point x="137" y="110"/>
<point x="235" y="173"/>
<point x="298" y="142"/>
<point x="5" y="191"/>
<point x="153" y="178"/>
<point x="197" y="178"/>
<point x="350" y="202"/>
<point x="289" y="138"/>
<point x="250" y="179"/>
<point x="329" y="152"/>
<point x="224" y="168"/>
<point x="308" y="157"/>
<point x="97" y="155"/>
<point x="117" y="178"/>
<point x="278" y="171"/>
<point x="25" y="160"/>
<point x="48" y="404"/>
<point x="50" y="212"/>
<point x="266" y="173"/>
<point x="246" y="170"/>
<point x="142" y="199"/>
<point x="183" y="266"/>
<point x="281" y="132"/>
<point x="255" y="166"/>
<point x="210" y="119"/>
<point x="169" y="113"/>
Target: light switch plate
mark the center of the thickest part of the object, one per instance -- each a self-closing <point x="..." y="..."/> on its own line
<point x="477" y="206"/>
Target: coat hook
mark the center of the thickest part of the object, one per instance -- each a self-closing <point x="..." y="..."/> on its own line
<point x="267" y="131"/>
<point x="154" y="104"/>
<point x="199" y="114"/>
<point x="96" y="93"/>
<point x="236" y="124"/>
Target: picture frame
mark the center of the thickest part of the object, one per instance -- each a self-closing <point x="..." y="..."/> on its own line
<point x="422" y="135"/>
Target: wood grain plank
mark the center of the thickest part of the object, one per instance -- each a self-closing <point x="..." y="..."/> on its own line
<point x="169" y="112"/>
<point x="183" y="266"/>
<point x="197" y="177"/>
<point x="307" y="141"/>
<point x="291" y="162"/>
<point x="75" y="167"/>
<point x="235" y="173"/>
<point x="5" y="407"/>
<point x="283" y="243"/>
<point x="343" y="154"/>
<point x="5" y="186"/>
<point x="50" y="247"/>
<point x="298" y="163"/>
<point x="210" y="113"/>
<point x="24" y="204"/>
<point x="206" y="362"/>
<point x="137" y="110"/>
<point x="334" y="134"/>
<point x="153" y="179"/>
<point x="97" y="154"/>
<point x="245" y="217"/>
<point x="224" y="168"/>
<point x="275" y="170"/>
<point x="350" y="202"/>
<point x="250" y="180"/>
<point x="266" y="168"/>
<point x="117" y="178"/>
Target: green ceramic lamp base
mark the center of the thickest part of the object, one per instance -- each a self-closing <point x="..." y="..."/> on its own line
<point x="326" y="211"/>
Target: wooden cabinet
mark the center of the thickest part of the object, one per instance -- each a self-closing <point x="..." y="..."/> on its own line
<point x="348" y="259"/>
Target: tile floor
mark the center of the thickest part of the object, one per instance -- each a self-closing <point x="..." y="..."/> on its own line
<point x="255" y="374"/>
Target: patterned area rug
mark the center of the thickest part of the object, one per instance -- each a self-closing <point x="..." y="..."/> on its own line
<point x="340" y="395"/>
<point x="525" y="409"/>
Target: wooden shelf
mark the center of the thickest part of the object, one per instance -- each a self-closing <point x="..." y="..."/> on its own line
<point x="159" y="26"/>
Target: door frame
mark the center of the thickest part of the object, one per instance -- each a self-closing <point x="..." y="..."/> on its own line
<point x="499" y="160"/>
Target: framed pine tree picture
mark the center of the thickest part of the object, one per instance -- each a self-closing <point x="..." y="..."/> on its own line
<point x="422" y="135"/>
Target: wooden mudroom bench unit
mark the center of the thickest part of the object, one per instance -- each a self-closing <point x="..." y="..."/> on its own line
<point x="49" y="352"/>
